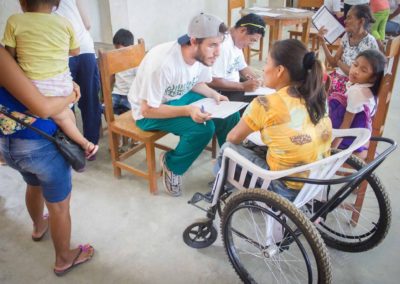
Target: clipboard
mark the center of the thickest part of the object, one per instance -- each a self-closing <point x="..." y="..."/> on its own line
<point x="324" y="17"/>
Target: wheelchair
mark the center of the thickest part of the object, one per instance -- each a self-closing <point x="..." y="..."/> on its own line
<point x="269" y="239"/>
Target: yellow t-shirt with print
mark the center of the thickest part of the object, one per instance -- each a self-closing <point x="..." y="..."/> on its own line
<point x="285" y="126"/>
<point x="42" y="42"/>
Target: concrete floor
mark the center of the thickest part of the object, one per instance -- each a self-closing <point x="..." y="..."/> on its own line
<point x="138" y="236"/>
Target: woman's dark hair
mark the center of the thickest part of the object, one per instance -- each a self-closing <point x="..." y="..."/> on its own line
<point x="253" y="23"/>
<point x="364" y="12"/>
<point x="32" y="5"/>
<point x="306" y="74"/>
<point x="377" y="61"/>
<point x="123" y="37"/>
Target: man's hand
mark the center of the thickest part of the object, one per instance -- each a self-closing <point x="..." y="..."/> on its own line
<point x="251" y="85"/>
<point x="198" y="116"/>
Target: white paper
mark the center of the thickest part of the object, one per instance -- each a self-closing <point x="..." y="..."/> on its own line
<point x="262" y="91"/>
<point x="272" y="15"/>
<point x="295" y="10"/>
<point x="221" y="110"/>
<point x="324" y="18"/>
<point x="262" y="9"/>
<point x="255" y="137"/>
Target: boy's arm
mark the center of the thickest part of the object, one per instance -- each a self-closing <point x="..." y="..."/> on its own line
<point x="84" y="16"/>
<point x="74" y="52"/>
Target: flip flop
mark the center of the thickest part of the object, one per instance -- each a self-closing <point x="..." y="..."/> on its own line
<point x="38" y="239"/>
<point x="82" y="248"/>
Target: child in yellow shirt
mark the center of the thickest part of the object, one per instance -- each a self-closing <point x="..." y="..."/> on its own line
<point x="41" y="43"/>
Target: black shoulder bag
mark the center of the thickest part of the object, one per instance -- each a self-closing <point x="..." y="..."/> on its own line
<point x="71" y="151"/>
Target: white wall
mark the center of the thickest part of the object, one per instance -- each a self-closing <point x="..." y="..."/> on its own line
<point x="7" y="8"/>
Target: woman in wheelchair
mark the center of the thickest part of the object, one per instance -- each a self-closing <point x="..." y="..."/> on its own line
<point x="293" y="122"/>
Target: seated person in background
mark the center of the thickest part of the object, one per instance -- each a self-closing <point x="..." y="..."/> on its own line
<point x="124" y="79"/>
<point x="293" y="122"/>
<point x="41" y="43"/>
<point x="355" y="40"/>
<point x="356" y="107"/>
<point x="231" y="65"/>
<point x="171" y="76"/>
<point x="393" y="25"/>
<point x="334" y="7"/>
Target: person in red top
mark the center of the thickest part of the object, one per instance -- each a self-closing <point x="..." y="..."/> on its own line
<point x="380" y="10"/>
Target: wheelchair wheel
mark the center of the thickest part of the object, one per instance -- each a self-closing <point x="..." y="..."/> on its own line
<point x="294" y="253"/>
<point x="200" y="234"/>
<point x="342" y="230"/>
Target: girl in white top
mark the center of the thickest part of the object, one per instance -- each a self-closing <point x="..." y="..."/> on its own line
<point x="355" y="40"/>
<point x="356" y="107"/>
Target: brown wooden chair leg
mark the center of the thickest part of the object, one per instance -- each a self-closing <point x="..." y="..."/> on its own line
<point x="151" y="167"/>
<point x="114" y="141"/>
<point x="261" y="48"/>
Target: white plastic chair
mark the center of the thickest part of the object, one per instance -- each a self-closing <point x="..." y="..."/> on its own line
<point x="323" y="169"/>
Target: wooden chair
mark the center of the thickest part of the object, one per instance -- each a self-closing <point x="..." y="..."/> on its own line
<point x="235" y="4"/>
<point x="296" y="34"/>
<point x="112" y="62"/>
<point x="378" y="121"/>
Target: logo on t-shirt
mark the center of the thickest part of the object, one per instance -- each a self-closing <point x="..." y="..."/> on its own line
<point x="234" y="66"/>
<point x="181" y="89"/>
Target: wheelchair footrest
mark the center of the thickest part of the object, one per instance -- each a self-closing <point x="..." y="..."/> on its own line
<point x="197" y="197"/>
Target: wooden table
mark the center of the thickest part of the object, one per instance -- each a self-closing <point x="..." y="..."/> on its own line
<point x="276" y="23"/>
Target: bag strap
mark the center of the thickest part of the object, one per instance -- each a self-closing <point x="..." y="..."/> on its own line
<point x="38" y="131"/>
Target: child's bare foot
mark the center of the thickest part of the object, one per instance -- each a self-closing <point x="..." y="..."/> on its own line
<point x="90" y="150"/>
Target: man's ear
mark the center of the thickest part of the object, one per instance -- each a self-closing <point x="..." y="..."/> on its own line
<point x="193" y="41"/>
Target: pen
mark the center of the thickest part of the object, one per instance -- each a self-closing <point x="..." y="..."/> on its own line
<point x="203" y="111"/>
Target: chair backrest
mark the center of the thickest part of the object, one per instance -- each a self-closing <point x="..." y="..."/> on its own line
<point x="114" y="61"/>
<point x="309" y="4"/>
<point x="234" y="4"/>
<point x="385" y="94"/>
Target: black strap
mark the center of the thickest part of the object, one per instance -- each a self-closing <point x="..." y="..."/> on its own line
<point x="38" y="131"/>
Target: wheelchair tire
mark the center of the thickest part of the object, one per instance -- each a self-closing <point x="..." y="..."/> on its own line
<point x="300" y="256"/>
<point x="340" y="232"/>
<point x="200" y="234"/>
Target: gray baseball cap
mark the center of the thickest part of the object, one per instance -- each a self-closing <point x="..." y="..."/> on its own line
<point x="202" y="26"/>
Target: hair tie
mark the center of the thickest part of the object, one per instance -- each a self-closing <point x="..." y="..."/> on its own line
<point x="308" y="60"/>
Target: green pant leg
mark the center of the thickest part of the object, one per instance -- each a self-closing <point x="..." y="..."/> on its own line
<point x="223" y="126"/>
<point x="378" y="28"/>
<point x="193" y="136"/>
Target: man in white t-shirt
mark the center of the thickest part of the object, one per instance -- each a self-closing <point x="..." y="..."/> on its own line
<point x="172" y="76"/>
<point x="334" y="7"/>
<point x="230" y="66"/>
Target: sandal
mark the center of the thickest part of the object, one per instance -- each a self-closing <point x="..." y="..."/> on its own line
<point x="38" y="239"/>
<point x="75" y="263"/>
<point x="91" y="150"/>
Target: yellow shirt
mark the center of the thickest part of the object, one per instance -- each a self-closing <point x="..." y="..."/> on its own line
<point x="42" y="42"/>
<point x="285" y="126"/>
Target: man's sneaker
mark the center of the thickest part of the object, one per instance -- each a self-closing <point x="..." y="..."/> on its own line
<point x="172" y="182"/>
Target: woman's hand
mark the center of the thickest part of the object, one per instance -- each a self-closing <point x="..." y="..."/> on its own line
<point x="322" y="32"/>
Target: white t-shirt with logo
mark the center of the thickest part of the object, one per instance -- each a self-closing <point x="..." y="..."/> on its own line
<point x="359" y="95"/>
<point x="163" y="76"/>
<point x="230" y="61"/>
<point x="69" y="10"/>
<point x="123" y="81"/>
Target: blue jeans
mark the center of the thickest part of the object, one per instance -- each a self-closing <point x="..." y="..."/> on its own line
<point x="258" y="158"/>
<point x="40" y="164"/>
<point x="85" y="73"/>
<point x="392" y="28"/>
<point x="120" y="103"/>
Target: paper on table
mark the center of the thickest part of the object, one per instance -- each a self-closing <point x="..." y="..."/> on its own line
<point x="324" y="18"/>
<point x="295" y="10"/>
<point x="389" y="66"/>
<point x="255" y="137"/>
<point x="272" y="15"/>
<point x="261" y="92"/>
<point x="260" y="9"/>
<point x="221" y="110"/>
